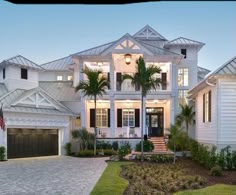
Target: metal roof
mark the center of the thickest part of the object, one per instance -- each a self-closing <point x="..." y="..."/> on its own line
<point x="10" y="98"/>
<point x="148" y="32"/>
<point x="20" y="61"/>
<point x="59" y="64"/>
<point x="202" y="72"/>
<point x="62" y="91"/>
<point x="229" y="68"/>
<point x="184" y="41"/>
<point x="3" y="89"/>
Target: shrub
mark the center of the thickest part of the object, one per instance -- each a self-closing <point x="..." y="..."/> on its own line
<point x="103" y="145"/>
<point x="123" y="151"/>
<point x="115" y="145"/>
<point x="68" y="148"/>
<point x="2" y="153"/>
<point x="216" y="171"/>
<point x="86" y="153"/>
<point x="85" y="138"/>
<point x="234" y="159"/>
<point x="147" y="146"/>
<point x="108" y="152"/>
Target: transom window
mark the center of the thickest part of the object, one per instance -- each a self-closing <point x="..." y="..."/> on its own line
<point x="182" y="77"/>
<point x="59" y="77"/>
<point x="102" y="117"/>
<point x="182" y="97"/>
<point x="128" y="117"/>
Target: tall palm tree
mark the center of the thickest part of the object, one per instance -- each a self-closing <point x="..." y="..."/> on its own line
<point x="144" y="77"/>
<point x="185" y="116"/>
<point x="93" y="87"/>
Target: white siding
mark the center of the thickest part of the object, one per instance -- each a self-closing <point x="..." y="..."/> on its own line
<point x="52" y="76"/>
<point x="227" y="112"/>
<point x="206" y="132"/>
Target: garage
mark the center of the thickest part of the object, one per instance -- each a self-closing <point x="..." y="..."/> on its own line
<point x="23" y="143"/>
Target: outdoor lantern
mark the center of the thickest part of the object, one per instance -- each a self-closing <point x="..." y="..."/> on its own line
<point x="127" y="58"/>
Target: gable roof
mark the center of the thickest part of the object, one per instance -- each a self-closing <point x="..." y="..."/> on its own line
<point x="148" y="32"/>
<point x="184" y="41"/>
<point x="201" y="73"/>
<point x="3" y="89"/>
<point x="20" y="61"/>
<point x="14" y="101"/>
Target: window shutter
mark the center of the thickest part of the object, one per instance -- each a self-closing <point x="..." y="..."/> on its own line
<point x="108" y="116"/>
<point x="137" y="118"/>
<point x="92" y="117"/>
<point x="119" y="117"/>
<point x="118" y="81"/>
<point x="209" y="106"/>
<point x="203" y="108"/>
<point x="108" y="79"/>
<point x="163" y="80"/>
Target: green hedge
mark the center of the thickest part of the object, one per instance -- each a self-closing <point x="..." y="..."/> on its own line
<point x="147" y="146"/>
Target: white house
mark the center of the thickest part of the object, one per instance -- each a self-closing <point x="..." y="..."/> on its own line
<point x="215" y="104"/>
<point x="40" y="101"/>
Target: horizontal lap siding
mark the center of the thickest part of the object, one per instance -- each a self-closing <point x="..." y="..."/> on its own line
<point x="206" y="132"/>
<point x="227" y="115"/>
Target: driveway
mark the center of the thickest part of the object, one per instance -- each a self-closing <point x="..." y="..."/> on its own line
<point x="50" y="175"/>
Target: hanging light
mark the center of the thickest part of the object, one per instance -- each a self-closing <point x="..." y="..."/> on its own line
<point x="127" y="58"/>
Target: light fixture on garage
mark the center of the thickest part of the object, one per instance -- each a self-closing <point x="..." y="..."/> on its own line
<point x="128" y="58"/>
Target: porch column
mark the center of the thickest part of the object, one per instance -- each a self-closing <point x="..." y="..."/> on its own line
<point x="174" y="94"/>
<point x="112" y="100"/>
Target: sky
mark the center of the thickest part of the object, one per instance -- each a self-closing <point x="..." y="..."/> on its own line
<point x="44" y="33"/>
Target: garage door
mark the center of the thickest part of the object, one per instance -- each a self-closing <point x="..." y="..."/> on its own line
<point x="31" y="142"/>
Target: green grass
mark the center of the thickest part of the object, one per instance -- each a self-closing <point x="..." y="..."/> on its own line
<point x="219" y="189"/>
<point x="110" y="182"/>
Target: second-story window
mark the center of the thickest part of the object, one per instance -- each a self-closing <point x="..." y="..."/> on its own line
<point x="182" y="97"/>
<point x="3" y="73"/>
<point x="24" y="73"/>
<point x="183" y="77"/>
<point x="128" y="117"/>
<point x="59" y="77"/>
<point x="184" y="52"/>
<point x="69" y="78"/>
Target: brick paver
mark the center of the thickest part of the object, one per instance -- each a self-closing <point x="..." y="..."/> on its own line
<point x="50" y="175"/>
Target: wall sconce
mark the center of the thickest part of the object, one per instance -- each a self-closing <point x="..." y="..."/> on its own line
<point x="127" y="58"/>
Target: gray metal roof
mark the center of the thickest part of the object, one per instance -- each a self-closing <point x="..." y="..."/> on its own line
<point x="148" y="32"/>
<point x="62" y="91"/>
<point x="20" y="61"/>
<point x="10" y="98"/>
<point x="3" y="89"/>
<point x="202" y="72"/>
<point x="59" y="64"/>
<point x="95" y="50"/>
<point x="229" y="68"/>
<point x="155" y="43"/>
<point x="184" y="41"/>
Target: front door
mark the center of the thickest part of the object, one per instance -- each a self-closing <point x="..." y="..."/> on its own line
<point x="154" y="122"/>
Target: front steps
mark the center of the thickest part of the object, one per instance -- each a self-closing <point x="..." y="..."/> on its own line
<point x="159" y="144"/>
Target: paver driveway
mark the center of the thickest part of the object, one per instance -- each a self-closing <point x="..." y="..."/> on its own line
<point x="50" y="175"/>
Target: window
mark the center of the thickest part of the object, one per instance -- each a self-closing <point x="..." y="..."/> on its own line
<point x="183" y="77"/>
<point x="59" y="78"/>
<point x="24" y="73"/>
<point x="3" y="73"/>
<point x="207" y="107"/>
<point x="69" y="78"/>
<point x="128" y="117"/>
<point x="184" y="52"/>
<point x="182" y="97"/>
<point x="102" y="117"/>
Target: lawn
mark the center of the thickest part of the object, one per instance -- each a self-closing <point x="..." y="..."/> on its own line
<point x="218" y="189"/>
<point x="110" y="182"/>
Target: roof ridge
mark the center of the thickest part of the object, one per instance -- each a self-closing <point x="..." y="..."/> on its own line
<point x="186" y="39"/>
<point x="30" y="61"/>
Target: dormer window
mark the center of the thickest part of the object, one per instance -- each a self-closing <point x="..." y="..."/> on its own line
<point x="184" y="52"/>
<point x="24" y="73"/>
<point x="59" y="78"/>
<point x="3" y="73"/>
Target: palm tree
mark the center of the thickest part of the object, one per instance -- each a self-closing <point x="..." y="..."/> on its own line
<point x="185" y="116"/>
<point x="144" y="77"/>
<point x="93" y="87"/>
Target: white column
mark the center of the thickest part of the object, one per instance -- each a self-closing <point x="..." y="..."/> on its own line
<point x="112" y="100"/>
<point x="174" y="94"/>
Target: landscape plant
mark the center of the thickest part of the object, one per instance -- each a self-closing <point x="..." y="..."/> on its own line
<point x="2" y="153"/>
<point x="147" y="146"/>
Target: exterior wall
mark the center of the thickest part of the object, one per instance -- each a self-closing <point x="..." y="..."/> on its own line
<point x="13" y="78"/>
<point x="38" y="121"/>
<point x="52" y="75"/>
<point x="227" y="113"/>
<point x="206" y="132"/>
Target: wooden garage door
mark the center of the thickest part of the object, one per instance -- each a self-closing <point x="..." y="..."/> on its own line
<point x="31" y="142"/>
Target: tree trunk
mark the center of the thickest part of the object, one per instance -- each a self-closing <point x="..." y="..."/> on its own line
<point x="186" y="127"/>
<point x="95" y="126"/>
<point x="143" y="126"/>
